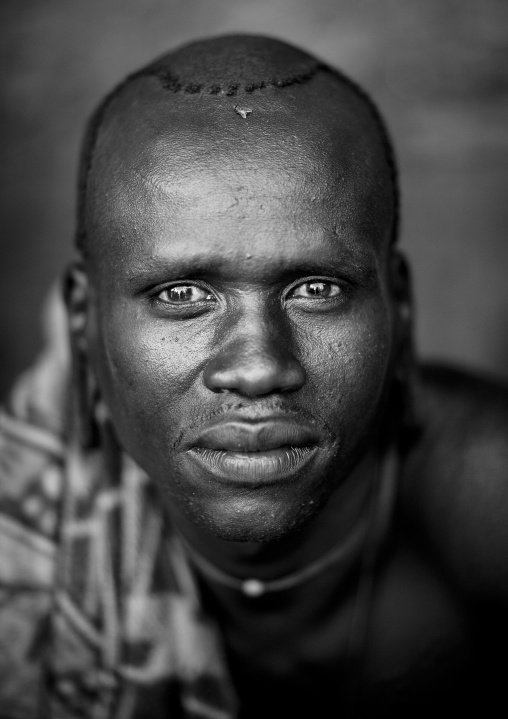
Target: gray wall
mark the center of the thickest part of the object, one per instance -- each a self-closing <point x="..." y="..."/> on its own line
<point x="437" y="68"/>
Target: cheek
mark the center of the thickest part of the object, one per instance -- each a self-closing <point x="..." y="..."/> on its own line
<point x="347" y="365"/>
<point x="145" y="366"/>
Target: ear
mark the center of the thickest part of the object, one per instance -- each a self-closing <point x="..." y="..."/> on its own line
<point x="405" y="374"/>
<point x="401" y="290"/>
<point x="76" y="293"/>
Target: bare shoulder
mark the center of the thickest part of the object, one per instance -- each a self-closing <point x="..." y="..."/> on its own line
<point x="454" y="485"/>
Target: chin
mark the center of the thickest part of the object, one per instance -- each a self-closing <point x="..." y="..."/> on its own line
<point x="253" y="519"/>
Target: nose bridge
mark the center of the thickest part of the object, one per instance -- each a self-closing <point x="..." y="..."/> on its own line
<point x="261" y="327"/>
<point x="256" y="355"/>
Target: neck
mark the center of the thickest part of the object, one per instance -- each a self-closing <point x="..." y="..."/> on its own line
<point x="347" y="506"/>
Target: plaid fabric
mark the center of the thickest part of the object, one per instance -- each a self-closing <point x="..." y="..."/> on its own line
<point x="99" y="613"/>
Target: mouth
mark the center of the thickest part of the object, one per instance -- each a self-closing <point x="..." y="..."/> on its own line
<point x="255" y="453"/>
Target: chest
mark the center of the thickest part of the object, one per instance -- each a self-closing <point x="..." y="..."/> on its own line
<point x="322" y="645"/>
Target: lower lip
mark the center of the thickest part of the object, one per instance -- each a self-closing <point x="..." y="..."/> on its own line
<point x="254" y="467"/>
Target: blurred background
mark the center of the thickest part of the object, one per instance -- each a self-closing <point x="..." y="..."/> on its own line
<point x="438" y="69"/>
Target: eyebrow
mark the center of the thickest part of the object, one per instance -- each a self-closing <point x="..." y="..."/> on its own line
<point x="358" y="265"/>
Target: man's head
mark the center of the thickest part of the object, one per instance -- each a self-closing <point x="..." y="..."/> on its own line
<point x="238" y="210"/>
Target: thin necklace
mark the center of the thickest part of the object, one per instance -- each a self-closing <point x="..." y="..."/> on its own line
<point x="253" y="587"/>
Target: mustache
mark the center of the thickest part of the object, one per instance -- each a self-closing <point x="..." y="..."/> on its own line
<point x="251" y="410"/>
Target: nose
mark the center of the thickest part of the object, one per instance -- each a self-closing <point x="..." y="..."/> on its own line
<point x="254" y="363"/>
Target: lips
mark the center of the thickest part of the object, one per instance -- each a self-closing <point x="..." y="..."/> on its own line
<point x="253" y="452"/>
<point x="240" y="436"/>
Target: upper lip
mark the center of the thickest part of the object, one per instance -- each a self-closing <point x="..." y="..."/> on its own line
<point x="239" y="435"/>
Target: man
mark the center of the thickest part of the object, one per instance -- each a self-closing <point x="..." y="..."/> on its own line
<point x="249" y="502"/>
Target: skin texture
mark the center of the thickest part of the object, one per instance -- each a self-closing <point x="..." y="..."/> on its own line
<point x="245" y="212"/>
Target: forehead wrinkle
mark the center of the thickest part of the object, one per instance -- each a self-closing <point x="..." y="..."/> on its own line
<point x="179" y="161"/>
<point x="181" y="179"/>
<point x="178" y="180"/>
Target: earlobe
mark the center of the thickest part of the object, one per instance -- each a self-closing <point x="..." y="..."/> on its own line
<point x="84" y="386"/>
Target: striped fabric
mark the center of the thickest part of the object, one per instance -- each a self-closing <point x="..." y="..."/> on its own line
<point x="99" y="613"/>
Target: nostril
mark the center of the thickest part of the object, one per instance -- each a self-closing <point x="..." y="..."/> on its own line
<point x="253" y="374"/>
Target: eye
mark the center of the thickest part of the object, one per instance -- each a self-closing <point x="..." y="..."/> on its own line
<point x="316" y="289"/>
<point x="184" y="294"/>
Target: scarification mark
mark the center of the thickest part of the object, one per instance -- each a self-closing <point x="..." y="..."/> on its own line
<point x="172" y="82"/>
<point x="193" y="88"/>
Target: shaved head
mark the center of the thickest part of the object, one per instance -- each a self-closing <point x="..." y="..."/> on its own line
<point x="241" y="94"/>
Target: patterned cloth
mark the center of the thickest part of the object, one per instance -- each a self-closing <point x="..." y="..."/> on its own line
<point x="100" y="617"/>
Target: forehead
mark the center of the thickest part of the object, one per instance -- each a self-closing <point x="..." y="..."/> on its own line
<point x="307" y="161"/>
